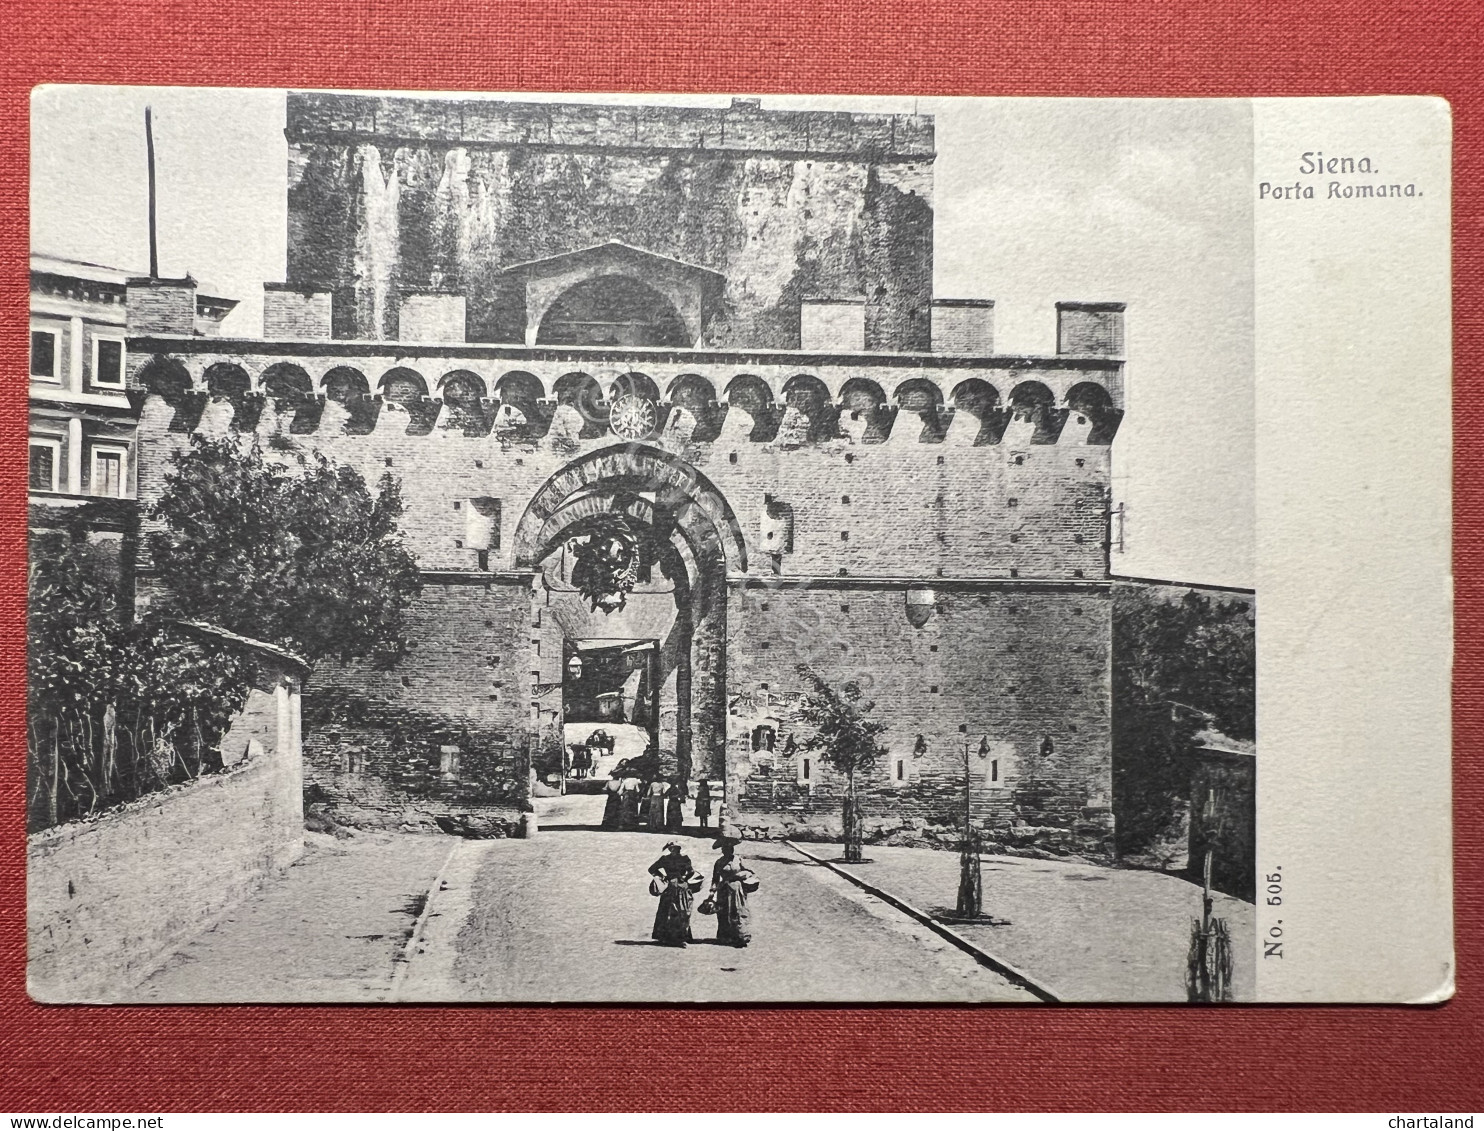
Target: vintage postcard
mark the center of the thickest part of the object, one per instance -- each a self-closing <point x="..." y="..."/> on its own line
<point x="685" y="548"/>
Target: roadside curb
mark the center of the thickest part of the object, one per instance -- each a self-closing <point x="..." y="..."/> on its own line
<point x="414" y="940"/>
<point x="983" y="957"/>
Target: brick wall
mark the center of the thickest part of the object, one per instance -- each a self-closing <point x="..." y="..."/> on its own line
<point x="295" y="316"/>
<point x="1011" y="667"/>
<point x="976" y="521"/>
<point x="107" y="900"/>
<point x="832" y="326"/>
<point x="389" y="195"/>
<point x="964" y="328"/>
<point x="902" y="508"/>
<point x="374" y="740"/>
<point x="432" y="318"/>
<point x="161" y="306"/>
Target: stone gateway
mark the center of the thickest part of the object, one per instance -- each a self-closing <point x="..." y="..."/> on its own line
<point x="674" y="411"/>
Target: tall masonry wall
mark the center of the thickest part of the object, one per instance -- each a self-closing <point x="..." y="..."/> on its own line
<point x="1018" y="675"/>
<point x="108" y="899"/>
<point x="993" y="539"/>
<point x="391" y="195"/>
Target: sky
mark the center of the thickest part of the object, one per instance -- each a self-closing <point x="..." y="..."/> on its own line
<point x="1036" y="201"/>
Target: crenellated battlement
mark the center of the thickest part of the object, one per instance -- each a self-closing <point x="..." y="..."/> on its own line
<point x="744" y="126"/>
<point x="524" y="394"/>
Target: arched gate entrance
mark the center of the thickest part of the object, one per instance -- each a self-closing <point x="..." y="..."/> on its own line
<point x="632" y="546"/>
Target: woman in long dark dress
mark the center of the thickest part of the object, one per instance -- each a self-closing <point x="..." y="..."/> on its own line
<point x="675" y="807"/>
<point x="672" y="919"/>
<point x="703" y="802"/>
<point x="613" y="807"/>
<point x="730" y="879"/>
<point x="628" y="798"/>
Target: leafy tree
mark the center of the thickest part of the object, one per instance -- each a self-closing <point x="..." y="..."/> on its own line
<point x="115" y="710"/>
<point x="845" y="737"/>
<point x="295" y="550"/>
<point x="1177" y="663"/>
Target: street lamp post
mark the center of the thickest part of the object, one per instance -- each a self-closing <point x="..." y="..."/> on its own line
<point x="574" y="669"/>
<point x="970" y="879"/>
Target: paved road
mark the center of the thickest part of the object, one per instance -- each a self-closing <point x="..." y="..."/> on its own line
<point x="566" y="917"/>
<point x="1087" y="932"/>
<point x="331" y="928"/>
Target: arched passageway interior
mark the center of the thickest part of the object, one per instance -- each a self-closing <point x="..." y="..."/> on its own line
<point x="632" y="550"/>
<point x="613" y="310"/>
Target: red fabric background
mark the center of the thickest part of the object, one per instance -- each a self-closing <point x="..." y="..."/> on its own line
<point x="304" y="1058"/>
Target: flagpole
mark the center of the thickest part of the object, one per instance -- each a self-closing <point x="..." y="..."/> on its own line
<point x="149" y="152"/>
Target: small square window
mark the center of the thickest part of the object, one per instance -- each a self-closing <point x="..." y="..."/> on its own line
<point x="44" y="355"/>
<point x="732" y="458"/>
<point x="941" y="461"/>
<point x="389" y="461"/>
<point x="933" y="689"/>
<point x="845" y="536"/>
<point x="849" y="457"/>
<point x="458" y="543"/>
<point x="479" y="463"/>
<point x="457" y="505"/>
<point x="845" y="499"/>
<point x="1077" y="538"/>
<point x="44" y="460"/>
<point x="108" y="363"/>
<point x="932" y="647"/>
<point x="1012" y="502"/>
<point x="845" y="608"/>
<point x="108" y="472"/>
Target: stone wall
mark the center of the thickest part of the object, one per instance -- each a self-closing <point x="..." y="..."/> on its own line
<point x="1002" y="669"/>
<point x="1016" y="509"/>
<point x="446" y="731"/>
<point x="1008" y="538"/>
<point x="388" y="195"/>
<point x="108" y="899"/>
<point x="295" y="316"/>
<point x="162" y="306"/>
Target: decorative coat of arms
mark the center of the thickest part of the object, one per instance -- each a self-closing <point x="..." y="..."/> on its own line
<point x="607" y="567"/>
<point x="633" y="417"/>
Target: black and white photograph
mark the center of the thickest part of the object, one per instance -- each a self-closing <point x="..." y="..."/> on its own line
<point x="670" y="548"/>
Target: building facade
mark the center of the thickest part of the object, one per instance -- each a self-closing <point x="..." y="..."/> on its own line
<point x="670" y="397"/>
<point x="83" y="447"/>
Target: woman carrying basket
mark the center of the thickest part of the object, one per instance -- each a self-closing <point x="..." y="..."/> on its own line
<point x="675" y="882"/>
<point x="731" y="882"/>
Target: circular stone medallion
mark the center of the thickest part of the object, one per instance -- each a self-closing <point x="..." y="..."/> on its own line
<point x="633" y="417"/>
